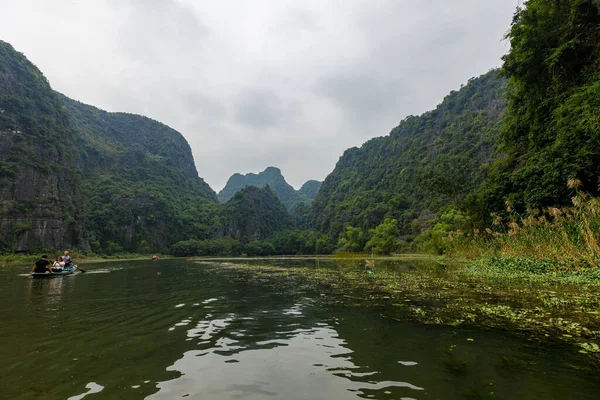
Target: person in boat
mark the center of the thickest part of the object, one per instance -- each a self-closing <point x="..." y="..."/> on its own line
<point x="67" y="259"/>
<point x="41" y="266"/>
<point x="59" y="264"/>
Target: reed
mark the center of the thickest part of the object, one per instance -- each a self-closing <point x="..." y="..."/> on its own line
<point x="570" y="233"/>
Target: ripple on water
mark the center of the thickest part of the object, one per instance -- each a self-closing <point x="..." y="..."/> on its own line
<point x="407" y="363"/>
<point x="101" y="271"/>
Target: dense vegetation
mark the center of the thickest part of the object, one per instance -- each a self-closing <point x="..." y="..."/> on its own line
<point x="539" y="201"/>
<point x="272" y="177"/>
<point x="253" y="214"/>
<point x="40" y="204"/>
<point x="424" y="165"/>
<point x="552" y="129"/>
<point x="254" y="222"/>
<point x="141" y="187"/>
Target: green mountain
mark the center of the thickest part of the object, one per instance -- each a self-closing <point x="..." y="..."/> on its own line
<point x="552" y="130"/>
<point x="141" y="186"/>
<point x="426" y="163"/>
<point x="71" y="174"/>
<point x="274" y="179"/>
<point x="310" y="189"/>
<point x="40" y="201"/>
<point x="253" y="213"/>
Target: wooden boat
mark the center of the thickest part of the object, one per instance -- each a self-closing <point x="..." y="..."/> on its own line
<point x="66" y="271"/>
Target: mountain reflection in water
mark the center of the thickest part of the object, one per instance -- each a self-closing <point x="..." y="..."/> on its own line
<point x="177" y="329"/>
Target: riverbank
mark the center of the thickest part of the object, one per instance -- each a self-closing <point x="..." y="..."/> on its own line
<point x="538" y="300"/>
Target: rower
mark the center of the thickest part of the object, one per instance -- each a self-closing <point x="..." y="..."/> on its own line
<point x="67" y="259"/>
<point x="41" y="266"/>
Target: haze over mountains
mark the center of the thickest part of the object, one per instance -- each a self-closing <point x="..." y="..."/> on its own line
<point x="272" y="177"/>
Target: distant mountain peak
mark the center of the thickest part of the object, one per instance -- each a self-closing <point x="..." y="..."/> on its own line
<point x="273" y="178"/>
<point x="272" y="170"/>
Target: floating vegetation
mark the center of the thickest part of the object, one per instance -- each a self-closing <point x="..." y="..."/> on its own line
<point x="541" y="302"/>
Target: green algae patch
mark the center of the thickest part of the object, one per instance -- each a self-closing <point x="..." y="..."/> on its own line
<point x="542" y="302"/>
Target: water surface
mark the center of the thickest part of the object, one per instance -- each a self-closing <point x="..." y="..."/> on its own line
<point x="177" y="329"/>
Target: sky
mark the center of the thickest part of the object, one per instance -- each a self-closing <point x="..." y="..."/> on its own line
<point x="252" y="84"/>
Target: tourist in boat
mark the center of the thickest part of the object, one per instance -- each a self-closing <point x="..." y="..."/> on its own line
<point x="59" y="264"/>
<point x="67" y="259"/>
<point x="41" y="266"/>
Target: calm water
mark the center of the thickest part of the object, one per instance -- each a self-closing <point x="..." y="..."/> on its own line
<point x="177" y="329"/>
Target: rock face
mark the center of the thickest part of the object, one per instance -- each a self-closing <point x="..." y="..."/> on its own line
<point x="40" y="203"/>
<point x="143" y="192"/>
<point x="253" y="214"/>
<point x="272" y="177"/>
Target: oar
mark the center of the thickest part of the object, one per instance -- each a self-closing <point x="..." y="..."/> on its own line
<point x="82" y="270"/>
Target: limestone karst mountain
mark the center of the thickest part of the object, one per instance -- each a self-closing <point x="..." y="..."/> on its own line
<point x="271" y="176"/>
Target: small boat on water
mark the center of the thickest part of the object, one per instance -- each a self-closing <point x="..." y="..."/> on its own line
<point x="66" y="271"/>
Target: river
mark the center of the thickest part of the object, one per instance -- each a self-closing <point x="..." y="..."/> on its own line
<point x="179" y="329"/>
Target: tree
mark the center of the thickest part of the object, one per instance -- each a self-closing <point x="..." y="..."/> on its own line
<point x="352" y="240"/>
<point x="385" y="238"/>
<point x="552" y="129"/>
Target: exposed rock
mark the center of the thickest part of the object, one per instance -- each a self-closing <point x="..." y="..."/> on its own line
<point x="40" y="204"/>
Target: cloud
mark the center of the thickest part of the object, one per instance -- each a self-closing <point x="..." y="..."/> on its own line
<point x="261" y="109"/>
<point x="268" y="82"/>
<point x="362" y="95"/>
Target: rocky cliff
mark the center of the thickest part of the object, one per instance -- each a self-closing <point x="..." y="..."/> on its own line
<point x="40" y="202"/>
<point x="143" y="192"/>
<point x="72" y="174"/>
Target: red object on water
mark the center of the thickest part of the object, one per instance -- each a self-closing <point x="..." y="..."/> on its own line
<point x="154" y="258"/>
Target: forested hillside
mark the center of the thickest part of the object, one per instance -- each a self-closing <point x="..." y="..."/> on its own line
<point x="141" y="187"/>
<point x="552" y="130"/>
<point x="40" y="201"/>
<point x="253" y="214"/>
<point x="310" y="189"/>
<point x="425" y="164"/>
<point x="272" y="177"/>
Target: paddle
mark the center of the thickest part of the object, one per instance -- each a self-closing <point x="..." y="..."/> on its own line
<point x="82" y="270"/>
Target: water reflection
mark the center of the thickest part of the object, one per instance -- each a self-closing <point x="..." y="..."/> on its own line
<point x="299" y="363"/>
<point x="48" y="291"/>
<point x="202" y="332"/>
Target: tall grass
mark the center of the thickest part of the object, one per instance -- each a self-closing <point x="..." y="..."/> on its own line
<point x="570" y="233"/>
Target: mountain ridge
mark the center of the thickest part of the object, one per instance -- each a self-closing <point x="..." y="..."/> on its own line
<point x="424" y="164"/>
<point x="272" y="177"/>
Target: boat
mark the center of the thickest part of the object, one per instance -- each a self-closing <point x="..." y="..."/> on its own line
<point x="66" y="271"/>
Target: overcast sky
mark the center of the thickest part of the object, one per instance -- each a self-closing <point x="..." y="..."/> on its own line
<point x="251" y="84"/>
